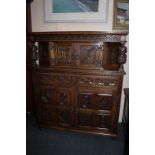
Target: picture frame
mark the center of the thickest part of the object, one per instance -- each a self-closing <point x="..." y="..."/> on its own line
<point x="76" y="11"/>
<point x="121" y="14"/>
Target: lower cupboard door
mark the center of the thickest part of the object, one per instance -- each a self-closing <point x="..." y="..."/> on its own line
<point x="102" y="122"/>
<point x="47" y="115"/>
<point x="94" y="121"/>
<point x="65" y="118"/>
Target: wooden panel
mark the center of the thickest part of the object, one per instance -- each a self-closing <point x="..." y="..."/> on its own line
<point x="78" y="54"/>
<point x="106" y="82"/>
<point x="46" y="114"/>
<point x="55" y="78"/>
<point x="93" y="121"/>
<point x="64" y="97"/>
<point x="47" y="95"/>
<point x="78" y="80"/>
<point x="95" y="101"/>
<point x="65" y="117"/>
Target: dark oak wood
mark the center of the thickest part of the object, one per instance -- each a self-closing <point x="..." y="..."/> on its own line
<point x="125" y="121"/>
<point x="29" y="94"/>
<point x="77" y="79"/>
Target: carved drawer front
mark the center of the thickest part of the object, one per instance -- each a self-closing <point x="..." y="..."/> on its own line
<point x="47" y="115"/>
<point x="55" y="79"/>
<point x="98" y="82"/>
<point x="95" y="101"/>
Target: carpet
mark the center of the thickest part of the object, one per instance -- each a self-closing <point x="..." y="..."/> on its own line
<point x="54" y="142"/>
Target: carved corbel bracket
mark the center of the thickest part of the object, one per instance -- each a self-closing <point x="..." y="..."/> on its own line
<point x="122" y="54"/>
<point x="34" y="54"/>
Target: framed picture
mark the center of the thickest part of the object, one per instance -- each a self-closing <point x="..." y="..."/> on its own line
<point x="121" y="14"/>
<point x="76" y="10"/>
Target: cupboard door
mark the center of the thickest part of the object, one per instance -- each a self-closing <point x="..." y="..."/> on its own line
<point x="94" y="121"/>
<point x="84" y="120"/>
<point x="94" y="111"/>
<point x="47" y="96"/>
<point x="48" y="115"/>
<point x="65" y="104"/>
<point x="64" y="97"/>
<point x="65" y="117"/>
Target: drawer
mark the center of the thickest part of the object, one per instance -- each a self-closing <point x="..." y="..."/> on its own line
<point x="55" y="79"/>
<point x="98" y="82"/>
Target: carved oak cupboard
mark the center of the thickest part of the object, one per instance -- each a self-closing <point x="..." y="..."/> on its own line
<point x="77" y="79"/>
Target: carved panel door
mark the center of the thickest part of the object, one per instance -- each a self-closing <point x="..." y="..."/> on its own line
<point x="46" y="105"/>
<point x="95" y="111"/>
<point x="55" y="106"/>
<point x="65" y="104"/>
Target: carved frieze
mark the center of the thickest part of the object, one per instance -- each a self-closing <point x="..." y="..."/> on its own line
<point x="97" y="81"/>
<point x="80" y="37"/>
<point x="56" y="78"/>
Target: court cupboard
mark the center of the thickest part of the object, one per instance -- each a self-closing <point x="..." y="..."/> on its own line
<point x="77" y="79"/>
